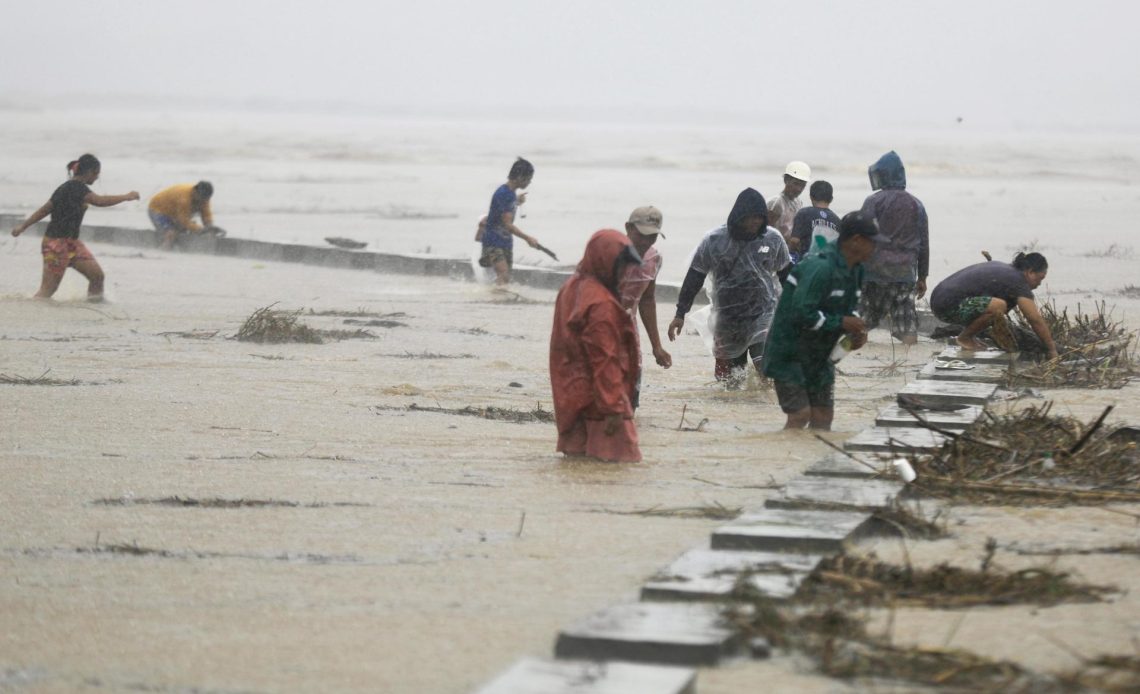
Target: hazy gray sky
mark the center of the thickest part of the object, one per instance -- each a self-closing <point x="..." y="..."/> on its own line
<point x="1047" y="64"/>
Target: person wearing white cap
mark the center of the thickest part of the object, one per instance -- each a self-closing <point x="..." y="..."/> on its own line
<point x="782" y="209"/>
<point x="638" y="286"/>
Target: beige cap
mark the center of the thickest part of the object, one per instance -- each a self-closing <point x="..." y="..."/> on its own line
<point x="647" y="220"/>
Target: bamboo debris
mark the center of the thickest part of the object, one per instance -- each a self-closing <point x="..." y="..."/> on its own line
<point x="1033" y="456"/>
<point x="1094" y="350"/>
<point x="873" y="582"/>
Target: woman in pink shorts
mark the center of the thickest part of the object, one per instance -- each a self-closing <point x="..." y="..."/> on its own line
<point x="61" y="246"/>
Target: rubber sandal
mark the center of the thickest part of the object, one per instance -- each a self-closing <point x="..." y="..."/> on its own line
<point x="953" y="364"/>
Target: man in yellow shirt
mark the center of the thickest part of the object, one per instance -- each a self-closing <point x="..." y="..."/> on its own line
<point x="172" y="211"/>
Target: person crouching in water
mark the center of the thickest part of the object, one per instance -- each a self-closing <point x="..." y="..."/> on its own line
<point x="980" y="296"/>
<point x="172" y="211"/>
<point x="594" y="355"/>
<point x="61" y="246"/>
<point x="817" y="307"/>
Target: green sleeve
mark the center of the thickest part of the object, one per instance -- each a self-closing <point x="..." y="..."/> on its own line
<point x="813" y="284"/>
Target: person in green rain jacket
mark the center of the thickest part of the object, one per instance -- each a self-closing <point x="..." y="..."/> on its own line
<point x="817" y="306"/>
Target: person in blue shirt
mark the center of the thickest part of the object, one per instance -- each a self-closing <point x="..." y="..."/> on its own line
<point x="500" y="230"/>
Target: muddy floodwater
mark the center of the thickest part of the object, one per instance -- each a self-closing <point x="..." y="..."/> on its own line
<point x="187" y="512"/>
<point x="181" y="511"/>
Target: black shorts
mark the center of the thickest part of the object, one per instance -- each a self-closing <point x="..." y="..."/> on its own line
<point x="794" y="398"/>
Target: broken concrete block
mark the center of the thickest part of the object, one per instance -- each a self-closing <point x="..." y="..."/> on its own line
<point x="650" y="632"/>
<point x="896" y="440"/>
<point x="778" y="530"/>
<point x="535" y="676"/>
<point x="710" y="574"/>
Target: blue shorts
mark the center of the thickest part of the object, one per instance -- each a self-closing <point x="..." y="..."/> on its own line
<point x="163" y="223"/>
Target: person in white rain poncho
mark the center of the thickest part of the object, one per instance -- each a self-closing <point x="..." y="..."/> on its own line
<point x="746" y="260"/>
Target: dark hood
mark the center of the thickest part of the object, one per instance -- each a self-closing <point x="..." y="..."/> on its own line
<point x="749" y="202"/>
<point x="888" y="172"/>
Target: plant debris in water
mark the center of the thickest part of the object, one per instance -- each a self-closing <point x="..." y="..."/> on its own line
<point x="872" y="582"/>
<point x="267" y="324"/>
<point x="41" y="380"/>
<point x="910" y="522"/>
<point x="489" y="412"/>
<point x="429" y="355"/>
<point x="713" y="511"/>
<point x="1032" y="456"/>
<point x="1095" y="350"/>
<point x="838" y="640"/>
<point x="179" y="501"/>
<point x="348" y="334"/>
<point x="1108" y="673"/>
<point x="358" y="313"/>
<point x="825" y="619"/>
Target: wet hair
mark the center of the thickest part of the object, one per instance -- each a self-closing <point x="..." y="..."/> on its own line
<point x="204" y="189"/>
<point x="82" y="165"/>
<point x="1034" y="262"/>
<point x="521" y="169"/>
<point x="820" y="190"/>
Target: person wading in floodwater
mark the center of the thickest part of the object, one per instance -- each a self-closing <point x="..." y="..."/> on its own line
<point x="594" y="355"/>
<point x="816" y="309"/>
<point x="498" y="235"/>
<point x="61" y="247"/>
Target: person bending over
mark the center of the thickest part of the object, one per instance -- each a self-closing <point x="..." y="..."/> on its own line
<point x="172" y="211"/>
<point x="980" y="296"/>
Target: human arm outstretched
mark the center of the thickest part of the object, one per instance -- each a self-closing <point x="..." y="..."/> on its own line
<point x="45" y="210"/>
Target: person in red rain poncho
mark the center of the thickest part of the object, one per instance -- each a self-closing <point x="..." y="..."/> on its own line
<point x="593" y="355"/>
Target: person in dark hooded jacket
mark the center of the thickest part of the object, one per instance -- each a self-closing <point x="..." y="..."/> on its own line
<point x="896" y="274"/>
<point x="594" y="355"/>
<point x="746" y="260"/>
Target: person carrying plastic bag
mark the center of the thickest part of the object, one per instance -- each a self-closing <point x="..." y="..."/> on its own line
<point x="745" y="259"/>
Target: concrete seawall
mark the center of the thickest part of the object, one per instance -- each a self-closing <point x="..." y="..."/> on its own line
<point x="431" y="265"/>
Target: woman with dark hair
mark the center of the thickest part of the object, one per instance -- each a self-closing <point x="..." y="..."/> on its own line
<point x="61" y="246"/>
<point x="980" y="296"/>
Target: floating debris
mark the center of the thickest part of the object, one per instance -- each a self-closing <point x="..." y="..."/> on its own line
<point x="872" y="582"/>
<point x="188" y="502"/>
<point x="1032" y="456"/>
<point x="190" y="334"/>
<point x="41" y="380"/>
<point x="1094" y="350"/>
<point x="1107" y="673"/>
<point x="489" y="412"/>
<point x="358" y="313"/>
<point x="827" y="620"/>
<point x="429" y="355"/>
<point x="713" y="511"/>
<point x="342" y="242"/>
<point x="269" y="325"/>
